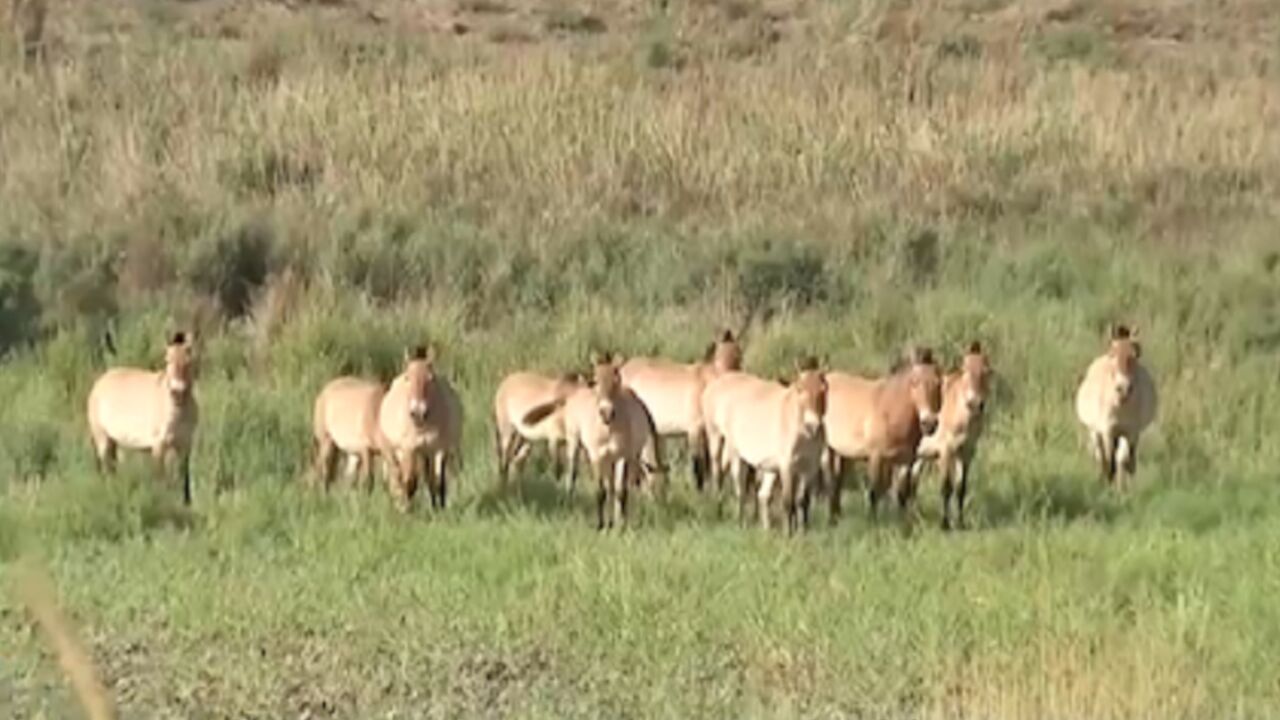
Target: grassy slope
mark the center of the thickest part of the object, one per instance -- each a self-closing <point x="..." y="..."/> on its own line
<point x="314" y="187"/>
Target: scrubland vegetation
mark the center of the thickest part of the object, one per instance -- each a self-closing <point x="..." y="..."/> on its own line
<point x="313" y="185"/>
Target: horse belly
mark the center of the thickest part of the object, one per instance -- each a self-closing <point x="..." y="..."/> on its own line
<point x="851" y="440"/>
<point x="135" y="438"/>
<point x="673" y="410"/>
<point x="351" y="437"/>
<point x="129" y="424"/>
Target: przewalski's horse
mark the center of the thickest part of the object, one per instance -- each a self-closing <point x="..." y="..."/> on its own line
<point x="881" y="421"/>
<point x="420" y="418"/>
<point x="1116" y="402"/>
<point x="715" y="402"/>
<point x="517" y="395"/>
<point x="954" y="441"/>
<point x="777" y="430"/>
<point x="672" y="393"/>
<point x="147" y="410"/>
<point x="608" y="422"/>
<point x="345" y="420"/>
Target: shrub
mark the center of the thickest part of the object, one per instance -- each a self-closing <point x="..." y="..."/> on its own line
<point x="229" y="265"/>
<point x="774" y="274"/>
<point x="19" y="308"/>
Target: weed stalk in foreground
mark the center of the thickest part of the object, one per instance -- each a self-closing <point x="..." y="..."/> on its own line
<point x="35" y="590"/>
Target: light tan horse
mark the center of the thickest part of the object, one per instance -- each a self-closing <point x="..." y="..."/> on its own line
<point x="609" y="423"/>
<point x="880" y="421"/>
<point x="147" y="410"/>
<point x="345" y="420"/>
<point x="715" y="403"/>
<point x="672" y="393"/>
<point x="954" y="441"/>
<point x="517" y="395"/>
<point x="777" y="430"/>
<point x="420" y="418"/>
<point x="1116" y="402"/>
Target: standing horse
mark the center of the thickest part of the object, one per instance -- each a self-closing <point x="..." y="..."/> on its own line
<point x="148" y="410"/>
<point x="420" y="418"/>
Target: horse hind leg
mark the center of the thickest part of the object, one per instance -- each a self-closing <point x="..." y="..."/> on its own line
<point x="789" y="507"/>
<point x="906" y="489"/>
<point x="832" y="480"/>
<point x="879" y="478"/>
<point x="512" y="450"/>
<point x="326" y="457"/>
<point x="104" y="452"/>
<point x="764" y="495"/>
<point x="945" y="465"/>
<point x="742" y="487"/>
<point x="603" y="479"/>
<point x="699" y="459"/>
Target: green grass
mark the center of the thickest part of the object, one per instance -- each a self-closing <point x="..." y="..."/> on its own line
<point x="314" y="190"/>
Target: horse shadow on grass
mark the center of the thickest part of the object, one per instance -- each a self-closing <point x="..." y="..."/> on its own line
<point x="538" y="495"/>
<point x="543" y="497"/>
<point x="1047" y="497"/>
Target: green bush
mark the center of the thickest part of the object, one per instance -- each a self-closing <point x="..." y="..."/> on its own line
<point x="19" y="308"/>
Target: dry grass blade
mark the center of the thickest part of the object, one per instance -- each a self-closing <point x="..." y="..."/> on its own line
<point x="35" y="590"/>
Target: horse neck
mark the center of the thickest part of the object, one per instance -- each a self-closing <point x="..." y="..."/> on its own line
<point x="166" y="397"/>
<point x="791" y="413"/>
<point x="955" y="410"/>
<point x="893" y="398"/>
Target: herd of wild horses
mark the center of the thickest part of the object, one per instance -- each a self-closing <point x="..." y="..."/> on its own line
<point x="792" y="437"/>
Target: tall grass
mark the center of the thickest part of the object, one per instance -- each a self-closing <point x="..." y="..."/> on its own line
<point x="312" y="191"/>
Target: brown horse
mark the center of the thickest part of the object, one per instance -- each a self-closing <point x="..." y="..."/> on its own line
<point x="519" y="393"/>
<point x="955" y="440"/>
<point x="345" y="420"/>
<point x="1116" y="401"/>
<point x="147" y="410"/>
<point x="609" y="423"/>
<point x="672" y="393"/>
<point x="420" y="418"/>
<point x="880" y="421"/>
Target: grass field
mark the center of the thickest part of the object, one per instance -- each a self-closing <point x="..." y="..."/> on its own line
<point x="314" y="185"/>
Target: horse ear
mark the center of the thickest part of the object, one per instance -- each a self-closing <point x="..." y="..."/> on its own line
<point x="975" y="348"/>
<point x="922" y="355"/>
<point x="178" y="338"/>
<point x="726" y="335"/>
